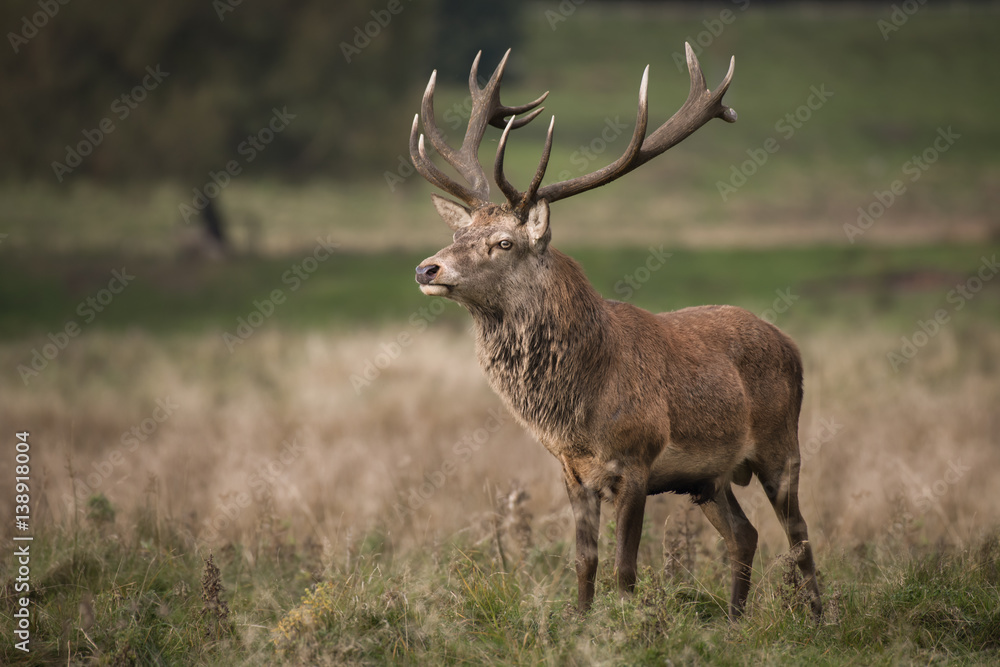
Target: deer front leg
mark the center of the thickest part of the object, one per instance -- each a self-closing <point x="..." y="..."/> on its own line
<point x="586" y="506"/>
<point x="630" y="506"/>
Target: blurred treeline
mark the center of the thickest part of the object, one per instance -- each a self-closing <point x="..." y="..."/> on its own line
<point x="349" y="71"/>
<point x="227" y="65"/>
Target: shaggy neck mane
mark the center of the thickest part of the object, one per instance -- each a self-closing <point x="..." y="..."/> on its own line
<point x="546" y="348"/>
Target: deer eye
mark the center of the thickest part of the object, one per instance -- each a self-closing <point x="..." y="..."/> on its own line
<point x="505" y="245"/>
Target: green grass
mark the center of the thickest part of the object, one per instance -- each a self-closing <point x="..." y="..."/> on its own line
<point x="454" y="604"/>
<point x="40" y="293"/>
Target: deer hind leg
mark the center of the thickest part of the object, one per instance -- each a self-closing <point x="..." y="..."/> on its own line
<point x="586" y="506"/>
<point x="725" y="513"/>
<point x="782" y="489"/>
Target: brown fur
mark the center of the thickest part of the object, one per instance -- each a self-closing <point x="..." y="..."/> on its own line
<point x="630" y="403"/>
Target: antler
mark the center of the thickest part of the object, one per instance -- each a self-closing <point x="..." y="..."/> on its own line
<point x="486" y="109"/>
<point x="701" y="106"/>
<point x="519" y="201"/>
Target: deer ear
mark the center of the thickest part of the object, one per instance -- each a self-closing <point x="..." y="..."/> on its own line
<point x="456" y="215"/>
<point x="537" y="224"/>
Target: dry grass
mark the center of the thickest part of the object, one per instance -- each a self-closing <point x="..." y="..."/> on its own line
<point x="274" y="441"/>
<point x="429" y="527"/>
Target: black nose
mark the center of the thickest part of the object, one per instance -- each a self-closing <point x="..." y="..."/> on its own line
<point x="426" y="274"/>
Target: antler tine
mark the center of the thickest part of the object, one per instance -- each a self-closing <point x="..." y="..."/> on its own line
<point x="465" y="162"/>
<point x="619" y="167"/>
<point x="486" y="110"/>
<point x="485" y="106"/>
<point x="430" y="171"/>
<point x="509" y="191"/>
<point x="430" y="124"/>
<point x="520" y="201"/>
<point x="698" y="84"/>
<point x="701" y="106"/>
<point x="499" y="112"/>
<point x="543" y="164"/>
<point x="502" y="112"/>
<point x="729" y="115"/>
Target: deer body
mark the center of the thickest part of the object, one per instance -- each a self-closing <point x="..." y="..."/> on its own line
<point x="630" y="403"/>
<point x="567" y="367"/>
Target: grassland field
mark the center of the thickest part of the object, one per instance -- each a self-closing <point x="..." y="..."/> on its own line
<point x="367" y="500"/>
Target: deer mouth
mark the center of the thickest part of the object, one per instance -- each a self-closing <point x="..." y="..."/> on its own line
<point x="436" y="289"/>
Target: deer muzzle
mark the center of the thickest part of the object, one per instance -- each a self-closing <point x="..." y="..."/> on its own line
<point x="427" y="272"/>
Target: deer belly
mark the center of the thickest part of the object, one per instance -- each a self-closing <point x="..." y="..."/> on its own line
<point x="696" y="470"/>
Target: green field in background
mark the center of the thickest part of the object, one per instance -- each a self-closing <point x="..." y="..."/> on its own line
<point x="41" y="293"/>
<point x="888" y="96"/>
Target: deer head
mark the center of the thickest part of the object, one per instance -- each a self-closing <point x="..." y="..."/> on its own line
<point x="498" y="247"/>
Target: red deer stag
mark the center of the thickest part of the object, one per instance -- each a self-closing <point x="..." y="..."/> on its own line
<point x="631" y="404"/>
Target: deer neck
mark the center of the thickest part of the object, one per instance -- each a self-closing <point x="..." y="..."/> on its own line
<point x="544" y="351"/>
